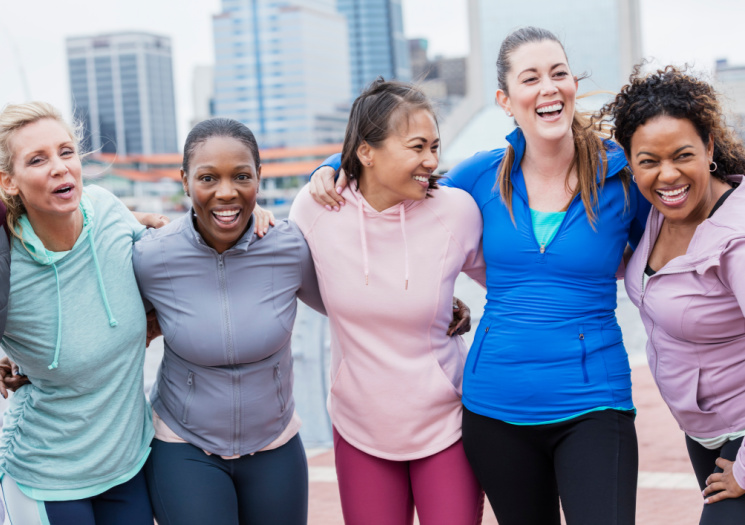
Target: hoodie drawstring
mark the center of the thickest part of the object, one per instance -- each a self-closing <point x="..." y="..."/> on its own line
<point x="112" y="321"/>
<point x="363" y="240"/>
<point x="55" y="361"/>
<point x="406" y="246"/>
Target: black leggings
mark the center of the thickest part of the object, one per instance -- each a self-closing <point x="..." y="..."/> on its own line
<point x="188" y="487"/>
<point x="591" y="462"/>
<point x="728" y="511"/>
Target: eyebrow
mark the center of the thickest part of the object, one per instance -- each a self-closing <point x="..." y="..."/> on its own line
<point x="535" y="70"/>
<point x="211" y="167"/>
<point x="674" y="152"/>
<point x="41" y="150"/>
<point x="412" y="139"/>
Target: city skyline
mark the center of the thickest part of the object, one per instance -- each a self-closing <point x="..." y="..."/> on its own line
<point x="672" y="31"/>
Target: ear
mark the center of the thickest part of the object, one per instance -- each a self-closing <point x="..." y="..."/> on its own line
<point x="710" y="148"/>
<point x="504" y="102"/>
<point x="258" y="172"/>
<point x="365" y="154"/>
<point x="185" y="182"/>
<point x="7" y="183"/>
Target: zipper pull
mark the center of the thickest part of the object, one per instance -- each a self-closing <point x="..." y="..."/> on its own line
<point x="543" y="248"/>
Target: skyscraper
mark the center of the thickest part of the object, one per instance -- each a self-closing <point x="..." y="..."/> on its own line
<point x="122" y="90"/>
<point x="377" y="45"/>
<point x="282" y="68"/>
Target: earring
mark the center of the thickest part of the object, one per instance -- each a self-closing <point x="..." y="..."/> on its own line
<point x="712" y="170"/>
<point x="509" y="113"/>
<point x="633" y="177"/>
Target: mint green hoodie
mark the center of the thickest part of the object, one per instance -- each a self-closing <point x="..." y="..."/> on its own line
<point x="76" y="327"/>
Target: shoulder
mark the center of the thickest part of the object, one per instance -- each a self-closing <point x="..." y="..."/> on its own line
<point x="284" y="233"/>
<point x="480" y="163"/>
<point x="305" y="210"/>
<point x="456" y="210"/>
<point x="152" y="239"/>
<point x="102" y="198"/>
<point x="615" y="158"/>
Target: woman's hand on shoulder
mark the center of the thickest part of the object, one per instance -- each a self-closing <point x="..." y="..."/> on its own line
<point x="325" y="191"/>
<point x="10" y="379"/>
<point x="151" y="220"/>
<point x="263" y="219"/>
<point x="722" y="483"/>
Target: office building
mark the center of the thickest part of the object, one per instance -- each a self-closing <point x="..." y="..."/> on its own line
<point x="377" y="46"/>
<point x="282" y="68"/>
<point x="730" y="82"/>
<point x="122" y="91"/>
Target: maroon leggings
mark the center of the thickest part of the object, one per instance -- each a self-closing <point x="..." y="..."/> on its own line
<point x="442" y="487"/>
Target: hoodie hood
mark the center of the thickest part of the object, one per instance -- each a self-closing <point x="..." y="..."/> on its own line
<point x="44" y="257"/>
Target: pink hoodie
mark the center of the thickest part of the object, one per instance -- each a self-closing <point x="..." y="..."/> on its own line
<point x="387" y="282"/>
<point x="692" y="309"/>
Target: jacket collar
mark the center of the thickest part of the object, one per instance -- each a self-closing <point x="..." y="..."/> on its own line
<point x="247" y="239"/>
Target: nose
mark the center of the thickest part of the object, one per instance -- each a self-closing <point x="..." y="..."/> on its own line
<point x="58" y="166"/>
<point x="548" y="87"/>
<point x="431" y="159"/>
<point x="668" y="173"/>
<point x="225" y="189"/>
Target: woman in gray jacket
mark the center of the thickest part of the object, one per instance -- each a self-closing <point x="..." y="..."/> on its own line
<point x="226" y="448"/>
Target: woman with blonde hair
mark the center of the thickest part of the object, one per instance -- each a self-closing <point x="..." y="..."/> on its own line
<point x="75" y="440"/>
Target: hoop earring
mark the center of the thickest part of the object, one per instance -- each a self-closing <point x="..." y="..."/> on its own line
<point x="712" y="170"/>
<point x="633" y="177"/>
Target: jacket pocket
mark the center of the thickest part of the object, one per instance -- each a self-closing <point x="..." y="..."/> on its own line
<point x="278" y="383"/>
<point x="189" y="396"/>
<point x="478" y="349"/>
<point x="582" y="343"/>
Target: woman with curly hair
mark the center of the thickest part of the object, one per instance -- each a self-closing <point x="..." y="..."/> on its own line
<point x="687" y="275"/>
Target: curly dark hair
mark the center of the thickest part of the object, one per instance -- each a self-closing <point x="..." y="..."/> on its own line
<point x="674" y="92"/>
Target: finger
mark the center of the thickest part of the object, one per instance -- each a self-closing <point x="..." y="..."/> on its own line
<point x="341" y="183"/>
<point x="713" y="487"/>
<point x="713" y="478"/>
<point x="725" y="494"/>
<point x="329" y="187"/>
<point x="14" y="369"/>
<point x="321" y="187"/>
<point x="723" y="463"/>
<point x="3" y="390"/>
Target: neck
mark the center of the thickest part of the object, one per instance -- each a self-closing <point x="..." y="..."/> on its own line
<point x="375" y="195"/>
<point x="58" y="233"/>
<point x="548" y="159"/>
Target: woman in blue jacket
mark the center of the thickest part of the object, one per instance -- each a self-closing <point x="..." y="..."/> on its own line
<point x="547" y="385"/>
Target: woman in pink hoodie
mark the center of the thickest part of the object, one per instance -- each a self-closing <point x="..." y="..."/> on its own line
<point x="687" y="275"/>
<point x="396" y="247"/>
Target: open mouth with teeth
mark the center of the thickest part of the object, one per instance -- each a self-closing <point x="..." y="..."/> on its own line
<point x="226" y="217"/>
<point x="549" y="112"/>
<point x="673" y="197"/>
<point x="64" y="190"/>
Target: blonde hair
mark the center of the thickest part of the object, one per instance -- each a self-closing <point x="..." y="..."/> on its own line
<point x="13" y="117"/>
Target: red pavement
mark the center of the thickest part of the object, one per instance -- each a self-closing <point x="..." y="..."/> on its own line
<point x="661" y="451"/>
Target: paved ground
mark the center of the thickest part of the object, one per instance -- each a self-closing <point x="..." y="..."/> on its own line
<point x="668" y="493"/>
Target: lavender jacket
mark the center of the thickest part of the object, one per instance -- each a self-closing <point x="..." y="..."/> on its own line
<point x="692" y="309"/>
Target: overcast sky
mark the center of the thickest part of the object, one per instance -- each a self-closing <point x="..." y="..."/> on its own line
<point x="32" y="36"/>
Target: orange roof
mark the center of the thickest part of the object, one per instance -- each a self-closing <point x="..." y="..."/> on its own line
<point x="174" y="159"/>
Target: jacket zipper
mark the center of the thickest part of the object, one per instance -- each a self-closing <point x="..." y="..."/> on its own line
<point x="231" y="356"/>
<point x="189" y="395"/>
<point x="584" y="355"/>
<point x="478" y="351"/>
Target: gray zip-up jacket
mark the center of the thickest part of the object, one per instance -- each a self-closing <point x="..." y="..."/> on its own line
<point x="225" y="382"/>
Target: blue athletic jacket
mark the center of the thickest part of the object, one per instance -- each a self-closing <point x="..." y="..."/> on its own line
<point x="548" y="347"/>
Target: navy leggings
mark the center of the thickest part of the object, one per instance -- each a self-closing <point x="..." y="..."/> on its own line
<point x="728" y="511"/>
<point x="125" y="504"/>
<point x="188" y="487"/>
<point x="590" y="461"/>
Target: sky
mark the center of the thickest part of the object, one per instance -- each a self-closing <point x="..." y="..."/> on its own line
<point x="33" y="64"/>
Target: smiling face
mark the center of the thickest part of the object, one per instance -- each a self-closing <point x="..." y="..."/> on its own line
<point x="223" y="182"/>
<point x="400" y="168"/>
<point x="47" y="174"/>
<point x="541" y="89"/>
<point x="671" y="162"/>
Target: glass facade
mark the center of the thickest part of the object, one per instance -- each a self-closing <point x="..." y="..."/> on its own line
<point x="377" y="46"/>
<point x="122" y="91"/>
